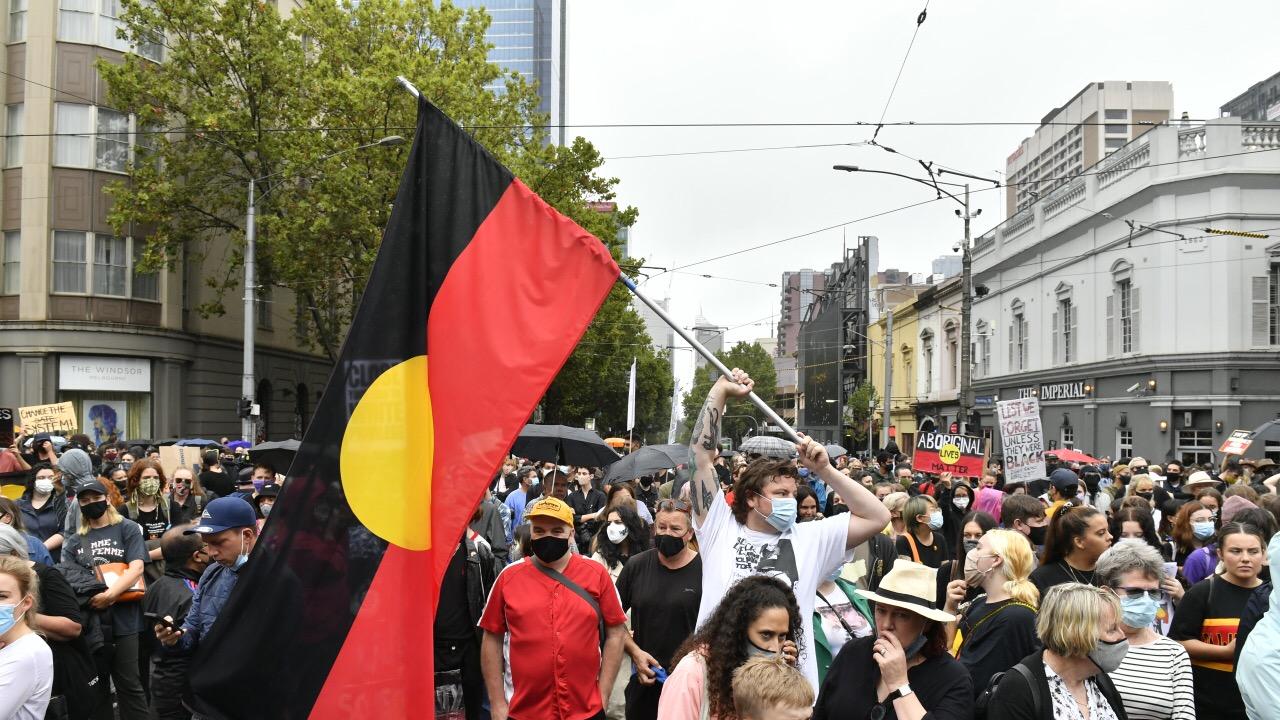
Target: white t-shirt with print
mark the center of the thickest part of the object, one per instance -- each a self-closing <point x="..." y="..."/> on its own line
<point x="802" y="557"/>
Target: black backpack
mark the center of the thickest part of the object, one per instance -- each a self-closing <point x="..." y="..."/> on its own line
<point x="988" y="694"/>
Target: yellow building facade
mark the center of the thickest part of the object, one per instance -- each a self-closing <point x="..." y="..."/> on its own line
<point x="902" y="406"/>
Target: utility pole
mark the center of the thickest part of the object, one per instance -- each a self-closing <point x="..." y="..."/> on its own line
<point x="966" y="314"/>
<point x="247" y="390"/>
<point x="888" y="374"/>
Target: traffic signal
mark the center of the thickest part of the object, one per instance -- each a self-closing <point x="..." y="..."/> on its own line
<point x="243" y="407"/>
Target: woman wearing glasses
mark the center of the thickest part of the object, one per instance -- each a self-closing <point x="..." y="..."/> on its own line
<point x="187" y="497"/>
<point x="1154" y="679"/>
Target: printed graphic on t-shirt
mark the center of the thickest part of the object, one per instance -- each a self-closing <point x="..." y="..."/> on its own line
<point x="106" y="549"/>
<point x="1220" y="632"/>
<point x="773" y="559"/>
<point x="854" y="619"/>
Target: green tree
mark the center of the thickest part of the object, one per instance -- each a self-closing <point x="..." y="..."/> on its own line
<point x="858" y="411"/>
<point x="244" y="93"/>
<point x="759" y="365"/>
<point x="595" y="380"/>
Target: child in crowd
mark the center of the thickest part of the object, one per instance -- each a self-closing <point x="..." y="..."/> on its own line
<point x="770" y="689"/>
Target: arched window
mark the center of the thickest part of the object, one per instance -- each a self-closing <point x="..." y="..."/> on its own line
<point x="983" y="355"/>
<point x="264" y="404"/>
<point x="1065" y="337"/>
<point x="1018" y="336"/>
<point x="951" y="354"/>
<point x="926" y="359"/>
<point x="1122" y="310"/>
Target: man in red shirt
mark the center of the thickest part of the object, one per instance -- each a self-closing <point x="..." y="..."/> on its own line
<point x="554" y="632"/>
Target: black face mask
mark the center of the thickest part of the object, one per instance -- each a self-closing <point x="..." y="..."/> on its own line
<point x="549" y="548"/>
<point x="94" y="510"/>
<point x="839" y="508"/>
<point x="1037" y="534"/>
<point x="1172" y="477"/>
<point x="669" y="546"/>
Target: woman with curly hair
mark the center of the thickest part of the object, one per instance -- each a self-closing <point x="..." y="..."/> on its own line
<point x="758" y="617"/>
<point x="622" y="536"/>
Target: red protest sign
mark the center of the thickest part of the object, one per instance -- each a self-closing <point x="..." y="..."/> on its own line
<point x="960" y="455"/>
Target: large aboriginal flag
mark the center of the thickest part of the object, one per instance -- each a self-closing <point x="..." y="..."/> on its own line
<point x="477" y="297"/>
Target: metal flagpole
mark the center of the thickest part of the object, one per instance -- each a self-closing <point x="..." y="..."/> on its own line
<point x="404" y="82"/>
<point x="709" y="356"/>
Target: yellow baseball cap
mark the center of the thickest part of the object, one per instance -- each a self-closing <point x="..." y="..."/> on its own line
<point x="552" y="508"/>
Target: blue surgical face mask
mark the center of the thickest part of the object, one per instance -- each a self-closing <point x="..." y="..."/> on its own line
<point x="7" y="620"/>
<point x="1138" y="612"/>
<point x="783" y="517"/>
<point x="1202" y="530"/>
<point x="243" y="557"/>
<point x="935" y="520"/>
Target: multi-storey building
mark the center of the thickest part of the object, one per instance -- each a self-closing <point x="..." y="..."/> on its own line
<point x="937" y="362"/>
<point x="1112" y="301"/>
<point x="1096" y="122"/>
<point x="78" y="321"/>
<point x="1260" y="102"/>
<point x="797" y="295"/>
<point x="528" y="37"/>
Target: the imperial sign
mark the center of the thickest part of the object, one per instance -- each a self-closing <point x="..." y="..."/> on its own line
<point x="960" y="455"/>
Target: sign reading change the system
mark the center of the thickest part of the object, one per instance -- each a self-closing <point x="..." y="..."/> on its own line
<point x="960" y="455"/>
<point x="58" y="418"/>
<point x="1022" y="438"/>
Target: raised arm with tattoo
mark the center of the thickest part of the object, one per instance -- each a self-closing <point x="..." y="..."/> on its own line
<point x="704" y="443"/>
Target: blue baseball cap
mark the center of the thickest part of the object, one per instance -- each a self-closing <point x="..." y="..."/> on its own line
<point x="225" y="513"/>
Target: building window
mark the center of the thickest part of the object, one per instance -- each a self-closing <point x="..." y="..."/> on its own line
<point x="13" y="135"/>
<point x="1118" y="129"/>
<point x="926" y="358"/>
<point x="1266" y="308"/>
<point x="110" y="274"/>
<point x="1064" y="329"/>
<point x="146" y="286"/>
<point x="952" y="356"/>
<point x="69" y="261"/>
<point x="9" y="282"/>
<point x="983" y="349"/>
<point x="1115" y="143"/>
<point x="1111" y="114"/>
<point x="75" y="21"/>
<point x="97" y="22"/>
<point x="1068" y="438"/>
<point x="91" y="137"/>
<point x="1124" y="443"/>
<point x="1018" y="337"/>
<point x="1122" y="311"/>
<point x="1195" y="446"/>
<point x="263" y="306"/>
<point x="17" y="20"/>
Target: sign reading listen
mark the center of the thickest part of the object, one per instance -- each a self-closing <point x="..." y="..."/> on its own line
<point x="1023" y="439"/>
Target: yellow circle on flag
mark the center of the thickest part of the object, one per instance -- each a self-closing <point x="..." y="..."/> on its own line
<point x="949" y="454"/>
<point x="387" y="450"/>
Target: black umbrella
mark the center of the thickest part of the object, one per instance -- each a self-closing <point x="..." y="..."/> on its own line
<point x="278" y="454"/>
<point x="563" y="445"/>
<point x="647" y="461"/>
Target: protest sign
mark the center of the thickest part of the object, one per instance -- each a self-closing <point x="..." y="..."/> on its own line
<point x="960" y="455"/>
<point x="59" y="418"/>
<point x="6" y="427"/>
<point x="173" y="457"/>
<point x="1239" y="441"/>
<point x="1023" y="439"/>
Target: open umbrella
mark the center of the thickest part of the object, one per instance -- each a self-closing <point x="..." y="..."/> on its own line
<point x="835" y="451"/>
<point x="563" y="445"/>
<point x="278" y="454"/>
<point x="1069" y="455"/>
<point x="647" y="461"/>
<point x="237" y="444"/>
<point x="769" y="446"/>
<point x="197" y="442"/>
<point x="615" y="442"/>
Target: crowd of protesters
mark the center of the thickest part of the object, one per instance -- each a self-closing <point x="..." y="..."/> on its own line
<point x="111" y="572"/>
<point x="806" y="585"/>
<point x="786" y="585"/>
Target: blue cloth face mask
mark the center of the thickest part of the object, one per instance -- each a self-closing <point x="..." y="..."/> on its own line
<point x="783" y="517"/>
<point x="1202" y="530"/>
<point x="242" y="558"/>
<point x="1139" y="612"/>
<point x="7" y="620"/>
<point x="935" y="520"/>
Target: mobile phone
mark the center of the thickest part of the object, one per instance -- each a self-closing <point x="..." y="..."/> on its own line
<point x="160" y="620"/>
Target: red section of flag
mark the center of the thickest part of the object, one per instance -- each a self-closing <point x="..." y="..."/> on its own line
<point x="506" y="318"/>
<point x="509" y="313"/>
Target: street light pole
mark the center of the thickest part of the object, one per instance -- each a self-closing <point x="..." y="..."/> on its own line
<point x="247" y="380"/>
<point x="888" y="374"/>
<point x="966" y="312"/>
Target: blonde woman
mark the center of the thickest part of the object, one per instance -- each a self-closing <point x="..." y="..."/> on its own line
<point x="1079" y="626"/>
<point x="894" y="502"/>
<point x="104" y="537"/>
<point x="998" y="628"/>
<point x="26" y="663"/>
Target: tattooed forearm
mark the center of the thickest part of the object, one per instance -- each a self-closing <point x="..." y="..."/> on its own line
<point x="711" y="440"/>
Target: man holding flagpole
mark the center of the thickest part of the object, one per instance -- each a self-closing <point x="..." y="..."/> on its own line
<point x="759" y="533"/>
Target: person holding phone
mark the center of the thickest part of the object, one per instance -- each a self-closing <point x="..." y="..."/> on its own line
<point x="167" y="602"/>
<point x="904" y="669"/>
<point x="758" y="617"/>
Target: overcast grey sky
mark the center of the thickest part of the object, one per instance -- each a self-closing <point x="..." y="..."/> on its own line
<point x="658" y="61"/>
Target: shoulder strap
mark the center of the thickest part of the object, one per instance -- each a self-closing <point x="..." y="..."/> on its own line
<point x="1036" y="702"/>
<point x="576" y="589"/>
<point x="1111" y="693"/>
<point x="973" y="631"/>
<point x="911" y="541"/>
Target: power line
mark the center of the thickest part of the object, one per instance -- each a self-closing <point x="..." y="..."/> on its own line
<point x="919" y="21"/>
<point x="738" y="150"/>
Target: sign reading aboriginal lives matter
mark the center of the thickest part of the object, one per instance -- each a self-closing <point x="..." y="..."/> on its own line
<point x="55" y="418"/>
<point x="1023" y="439"/>
<point x="960" y="455"/>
